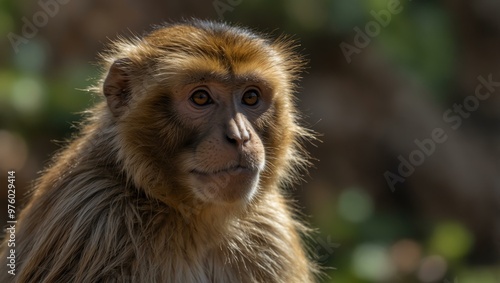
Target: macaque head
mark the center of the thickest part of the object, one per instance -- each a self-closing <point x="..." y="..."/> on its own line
<point x="204" y="111"/>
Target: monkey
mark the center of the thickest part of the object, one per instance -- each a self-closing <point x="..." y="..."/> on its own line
<point x="180" y="172"/>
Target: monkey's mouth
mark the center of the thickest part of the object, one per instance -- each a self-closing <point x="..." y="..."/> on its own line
<point x="230" y="170"/>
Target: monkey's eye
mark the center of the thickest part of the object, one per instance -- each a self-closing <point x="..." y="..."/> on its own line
<point x="201" y="98"/>
<point x="251" y="97"/>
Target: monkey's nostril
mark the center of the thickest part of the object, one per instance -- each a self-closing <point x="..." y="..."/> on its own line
<point x="238" y="139"/>
<point x="231" y="140"/>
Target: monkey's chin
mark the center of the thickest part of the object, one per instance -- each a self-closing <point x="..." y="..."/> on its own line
<point x="225" y="187"/>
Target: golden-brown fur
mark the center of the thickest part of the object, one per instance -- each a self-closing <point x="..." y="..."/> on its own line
<point x="115" y="207"/>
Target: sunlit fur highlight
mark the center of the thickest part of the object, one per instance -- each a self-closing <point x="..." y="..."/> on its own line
<point x="110" y="207"/>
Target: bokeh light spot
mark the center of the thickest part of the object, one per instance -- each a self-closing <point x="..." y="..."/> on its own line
<point x="27" y="95"/>
<point x="355" y="205"/>
<point x="372" y="262"/>
<point x="32" y="56"/>
<point x="432" y="269"/>
<point x="406" y="255"/>
<point x="451" y="240"/>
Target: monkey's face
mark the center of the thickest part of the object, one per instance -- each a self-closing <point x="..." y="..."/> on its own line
<point x="224" y="162"/>
<point x="204" y="113"/>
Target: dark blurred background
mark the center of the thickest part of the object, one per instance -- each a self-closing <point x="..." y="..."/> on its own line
<point x="385" y="78"/>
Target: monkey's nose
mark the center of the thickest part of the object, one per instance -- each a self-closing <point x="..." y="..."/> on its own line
<point x="238" y="139"/>
<point x="237" y="132"/>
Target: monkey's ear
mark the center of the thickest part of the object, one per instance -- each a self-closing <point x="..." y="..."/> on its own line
<point x="116" y="87"/>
